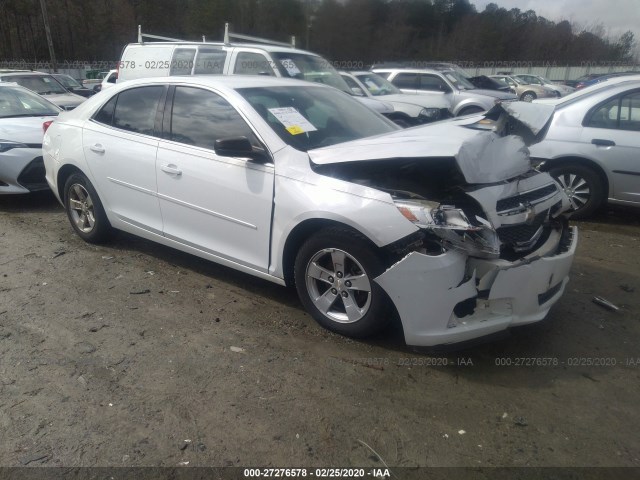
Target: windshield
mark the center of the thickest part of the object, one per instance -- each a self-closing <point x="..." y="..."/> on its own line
<point x="377" y="85"/>
<point x="312" y="117"/>
<point x="458" y="79"/>
<point x="311" y="68"/>
<point x="67" y="81"/>
<point x="19" y="102"/>
<point x="42" y="84"/>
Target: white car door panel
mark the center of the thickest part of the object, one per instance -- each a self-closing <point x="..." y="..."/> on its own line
<point x="120" y="150"/>
<point x="222" y="205"/>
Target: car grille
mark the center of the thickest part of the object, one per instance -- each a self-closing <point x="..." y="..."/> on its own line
<point x="532" y="196"/>
<point x="32" y="176"/>
<point x="522" y="237"/>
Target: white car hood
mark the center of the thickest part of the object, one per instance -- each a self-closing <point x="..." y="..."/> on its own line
<point x="23" y="129"/>
<point x="483" y="156"/>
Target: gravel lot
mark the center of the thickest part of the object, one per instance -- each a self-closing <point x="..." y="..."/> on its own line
<point x="133" y="354"/>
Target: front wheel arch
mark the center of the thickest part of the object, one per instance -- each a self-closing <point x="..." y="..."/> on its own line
<point x="298" y="235"/>
<point x="470" y="109"/>
<point x="341" y="294"/>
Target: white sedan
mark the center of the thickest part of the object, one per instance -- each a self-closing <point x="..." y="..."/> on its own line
<point x="22" y="114"/>
<point x="298" y="183"/>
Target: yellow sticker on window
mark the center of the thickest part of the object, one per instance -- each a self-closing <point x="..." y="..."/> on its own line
<point x="295" y="130"/>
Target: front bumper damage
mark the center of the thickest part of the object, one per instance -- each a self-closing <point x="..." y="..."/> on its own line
<point x="451" y="297"/>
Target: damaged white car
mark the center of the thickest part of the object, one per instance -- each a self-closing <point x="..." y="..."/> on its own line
<point x="300" y="184"/>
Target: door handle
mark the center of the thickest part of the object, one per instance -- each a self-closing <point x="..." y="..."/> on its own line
<point x="171" y="170"/>
<point x="603" y="143"/>
<point x="96" y="147"/>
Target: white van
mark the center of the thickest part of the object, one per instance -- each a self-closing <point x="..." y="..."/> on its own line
<point x="177" y="57"/>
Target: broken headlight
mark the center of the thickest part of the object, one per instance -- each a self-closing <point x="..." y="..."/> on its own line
<point x="452" y="226"/>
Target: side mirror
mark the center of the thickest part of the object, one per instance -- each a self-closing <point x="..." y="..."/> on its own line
<point x="357" y="91"/>
<point x="239" y="147"/>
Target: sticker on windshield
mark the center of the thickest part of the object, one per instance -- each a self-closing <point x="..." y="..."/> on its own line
<point x="290" y="66"/>
<point x="292" y="120"/>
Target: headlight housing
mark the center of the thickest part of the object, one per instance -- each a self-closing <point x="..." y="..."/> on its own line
<point x="430" y="113"/>
<point x="452" y="226"/>
<point x="6" y="145"/>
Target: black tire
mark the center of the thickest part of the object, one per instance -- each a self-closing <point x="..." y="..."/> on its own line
<point x="85" y="210"/>
<point x="368" y="311"/>
<point x="583" y="186"/>
<point x="470" y="111"/>
<point x="528" y="96"/>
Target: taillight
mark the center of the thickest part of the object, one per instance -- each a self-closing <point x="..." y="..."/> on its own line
<point x="46" y="125"/>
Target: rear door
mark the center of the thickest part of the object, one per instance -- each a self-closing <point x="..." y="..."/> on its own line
<point x="120" y="144"/>
<point x="220" y="205"/>
<point x="612" y="133"/>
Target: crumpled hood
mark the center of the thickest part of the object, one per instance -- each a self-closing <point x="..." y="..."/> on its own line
<point x="482" y="155"/>
<point x="23" y="129"/>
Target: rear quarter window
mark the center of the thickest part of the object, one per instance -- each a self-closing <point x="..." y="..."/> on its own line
<point x="135" y="110"/>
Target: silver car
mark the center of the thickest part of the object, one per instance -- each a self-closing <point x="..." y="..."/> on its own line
<point x="450" y="84"/>
<point x="409" y="109"/>
<point x="45" y="85"/>
<point x="526" y="91"/>
<point x="561" y="90"/>
<point x="593" y="146"/>
<point x="22" y="114"/>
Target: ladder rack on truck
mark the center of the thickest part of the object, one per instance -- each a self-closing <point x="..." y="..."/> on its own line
<point x="227" y="38"/>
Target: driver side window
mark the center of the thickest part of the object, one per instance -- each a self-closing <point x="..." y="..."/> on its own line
<point x="200" y="117"/>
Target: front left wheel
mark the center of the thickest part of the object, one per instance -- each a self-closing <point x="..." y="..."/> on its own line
<point x="85" y="210"/>
<point x="334" y="272"/>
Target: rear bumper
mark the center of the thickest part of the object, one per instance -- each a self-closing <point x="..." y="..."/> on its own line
<point x="453" y="298"/>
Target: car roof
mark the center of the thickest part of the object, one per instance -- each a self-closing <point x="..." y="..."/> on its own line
<point x="231" y="82"/>
<point x="408" y="70"/>
<point x="604" y="87"/>
<point x="259" y="46"/>
<point x="356" y="72"/>
<point x="25" y="73"/>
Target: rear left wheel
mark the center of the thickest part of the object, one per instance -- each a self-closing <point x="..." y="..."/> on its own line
<point x="85" y="210"/>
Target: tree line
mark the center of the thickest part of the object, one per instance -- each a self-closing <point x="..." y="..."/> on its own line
<point x="357" y="31"/>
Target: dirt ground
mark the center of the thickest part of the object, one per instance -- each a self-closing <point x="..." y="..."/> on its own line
<point x="116" y="355"/>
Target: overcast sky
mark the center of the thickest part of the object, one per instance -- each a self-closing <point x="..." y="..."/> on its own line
<point x="617" y="16"/>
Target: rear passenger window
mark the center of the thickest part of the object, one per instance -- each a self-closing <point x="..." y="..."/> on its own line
<point x="200" y="117"/>
<point x="406" y="80"/>
<point x="182" y="61"/>
<point x="621" y="113"/>
<point x="432" y="83"/>
<point x="136" y="109"/>
<point x="630" y="112"/>
<point x="210" y="61"/>
<point x="249" y="63"/>
<point x="105" y="114"/>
